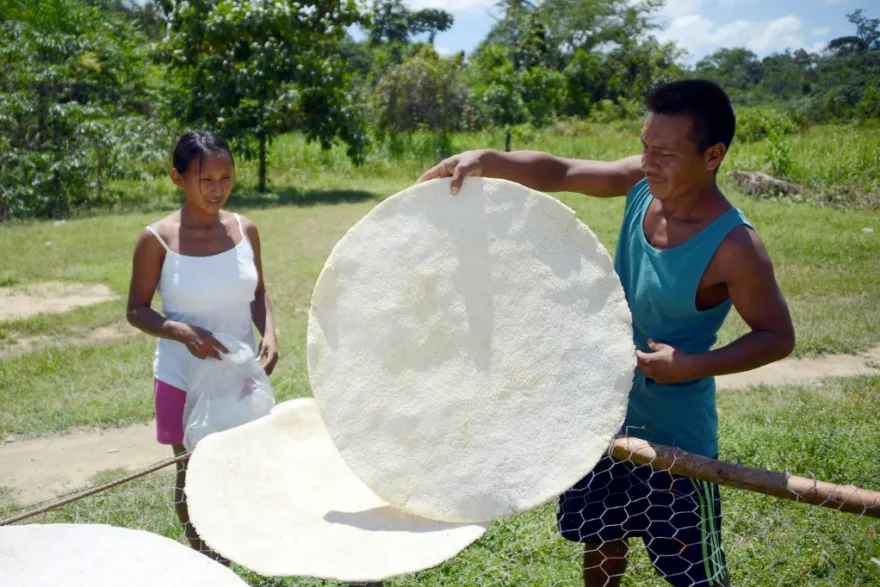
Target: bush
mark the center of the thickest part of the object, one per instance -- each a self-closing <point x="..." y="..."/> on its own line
<point x="780" y="156"/>
<point x="762" y="122"/>
<point x="607" y="111"/>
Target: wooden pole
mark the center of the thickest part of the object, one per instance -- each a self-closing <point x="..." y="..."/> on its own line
<point x="93" y="490"/>
<point x="843" y="498"/>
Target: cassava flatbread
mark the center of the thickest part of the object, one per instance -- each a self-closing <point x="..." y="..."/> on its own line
<point x="274" y="496"/>
<point x="98" y="555"/>
<point x="471" y="355"/>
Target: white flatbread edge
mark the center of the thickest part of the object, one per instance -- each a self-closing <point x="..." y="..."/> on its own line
<point x="100" y="555"/>
<point x="388" y="543"/>
<point x="592" y="449"/>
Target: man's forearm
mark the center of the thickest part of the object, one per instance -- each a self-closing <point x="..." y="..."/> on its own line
<point x="548" y="173"/>
<point x="750" y="351"/>
<point x="533" y="169"/>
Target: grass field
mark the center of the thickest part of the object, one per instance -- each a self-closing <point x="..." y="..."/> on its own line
<point x="829" y="268"/>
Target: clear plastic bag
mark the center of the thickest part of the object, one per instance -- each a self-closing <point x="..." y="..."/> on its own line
<point x="224" y="394"/>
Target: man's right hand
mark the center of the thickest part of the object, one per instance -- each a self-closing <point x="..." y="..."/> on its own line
<point x="467" y="164"/>
<point x="200" y="343"/>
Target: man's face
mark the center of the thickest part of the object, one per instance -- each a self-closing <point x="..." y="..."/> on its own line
<point x="671" y="160"/>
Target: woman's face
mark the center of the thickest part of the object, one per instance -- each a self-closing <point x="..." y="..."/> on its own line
<point x="207" y="183"/>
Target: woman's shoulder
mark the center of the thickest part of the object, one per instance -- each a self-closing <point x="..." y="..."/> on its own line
<point x="167" y="223"/>
<point x="232" y="218"/>
<point x="164" y="228"/>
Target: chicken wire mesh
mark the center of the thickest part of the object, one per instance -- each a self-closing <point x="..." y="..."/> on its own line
<point x="674" y="528"/>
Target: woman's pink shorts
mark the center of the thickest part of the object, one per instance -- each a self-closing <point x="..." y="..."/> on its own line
<point x="169" y="412"/>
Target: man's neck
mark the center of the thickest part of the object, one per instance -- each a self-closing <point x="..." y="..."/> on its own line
<point x="694" y="203"/>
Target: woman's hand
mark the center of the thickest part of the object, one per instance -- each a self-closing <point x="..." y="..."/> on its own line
<point x="268" y="354"/>
<point x="200" y="343"/>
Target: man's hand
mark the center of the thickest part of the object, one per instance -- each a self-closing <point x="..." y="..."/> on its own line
<point x="457" y="167"/>
<point x="268" y="354"/>
<point x="666" y="364"/>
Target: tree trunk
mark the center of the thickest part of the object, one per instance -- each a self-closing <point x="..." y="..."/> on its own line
<point x="262" y="188"/>
<point x="507" y="142"/>
<point x="262" y="136"/>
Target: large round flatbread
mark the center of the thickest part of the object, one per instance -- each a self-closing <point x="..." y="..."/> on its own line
<point x="97" y="555"/>
<point x="471" y="355"/>
<point x="274" y="496"/>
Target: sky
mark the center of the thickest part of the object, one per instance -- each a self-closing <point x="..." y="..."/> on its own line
<point x="700" y="26"/>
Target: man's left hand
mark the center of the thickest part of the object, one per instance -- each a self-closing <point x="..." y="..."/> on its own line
<point x="666" y="364"/>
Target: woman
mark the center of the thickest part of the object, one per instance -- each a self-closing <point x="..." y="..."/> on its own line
<point x="206" y="265"/>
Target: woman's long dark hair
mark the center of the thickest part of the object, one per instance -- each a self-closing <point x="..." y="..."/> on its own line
<point x="194" y="145"/>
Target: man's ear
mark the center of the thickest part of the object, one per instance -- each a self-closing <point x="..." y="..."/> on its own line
<point x="714" y="156"/>
<point x="176" y="178"/>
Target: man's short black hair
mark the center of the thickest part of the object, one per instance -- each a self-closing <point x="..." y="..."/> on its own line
<point x="705" y="101"/>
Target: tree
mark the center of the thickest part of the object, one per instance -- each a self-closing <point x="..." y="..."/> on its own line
<point x="522" y="34"/>
<point x="430" y="21"/>
<point x="587" y="24"/>
<point x="735" y="68"/>
<point x="423" y="92"/>
<point x="391" y="21"/>
<point x="74" y="104"/>
<point x="507" y="94"/>
<point x="845" y="77"/>
<point x="632" y="71"/>
<point x="867" y="29"/>
<point x="603" y="47"/>
<point x="255" y="69"/>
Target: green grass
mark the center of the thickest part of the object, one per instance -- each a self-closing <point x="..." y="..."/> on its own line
<point x="825" y="432"/>
<point x="828" y="267"/>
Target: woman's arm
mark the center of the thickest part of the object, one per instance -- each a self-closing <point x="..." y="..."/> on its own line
<point x="261" y="308"/>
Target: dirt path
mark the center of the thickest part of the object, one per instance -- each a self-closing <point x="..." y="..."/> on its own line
<point x="43" y="468"/>
<point x="805" y="371"/>
<point x="49" y="297"/>
<point x="93" y="337"/>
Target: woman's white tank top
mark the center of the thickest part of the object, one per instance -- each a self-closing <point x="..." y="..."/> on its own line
<point x="213" y="292"/>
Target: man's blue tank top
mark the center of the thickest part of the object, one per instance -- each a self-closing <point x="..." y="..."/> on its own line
<point x="661" y="289"/>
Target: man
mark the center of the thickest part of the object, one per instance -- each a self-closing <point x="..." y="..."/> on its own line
<point x="685" y="256"/>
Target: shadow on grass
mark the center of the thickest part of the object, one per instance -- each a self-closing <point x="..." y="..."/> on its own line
<point x="300" y="198"/>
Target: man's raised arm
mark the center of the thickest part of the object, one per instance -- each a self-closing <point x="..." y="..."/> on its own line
<point x="542" y="172"/>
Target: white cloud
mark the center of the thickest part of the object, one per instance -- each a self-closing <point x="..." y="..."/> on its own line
<point x="699" y="34"/>
<point x="820" y="31"/>
<point x="817" y="47"/>
<point x="453" y="6"/>
<point x="676" y="8"/>
<point x="782" y="33"/>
